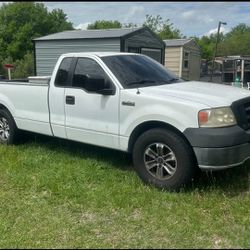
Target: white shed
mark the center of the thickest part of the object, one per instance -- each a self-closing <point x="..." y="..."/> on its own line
<point x="183" y="57"/>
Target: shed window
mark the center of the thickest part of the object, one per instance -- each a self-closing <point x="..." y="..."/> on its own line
<point x="133" y="49"/>
<point x="186" y="64"/>
<point x="62" y="77"/>
<point x="186" y="60"/>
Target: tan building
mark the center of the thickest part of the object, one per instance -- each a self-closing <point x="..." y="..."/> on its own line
<point x="183" y="57"/>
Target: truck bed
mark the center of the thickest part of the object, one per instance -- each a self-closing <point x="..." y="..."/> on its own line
<point x="29" y="104"/>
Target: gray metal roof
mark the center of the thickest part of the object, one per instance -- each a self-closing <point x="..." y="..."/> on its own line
<point x="82" y="34"/>
<point x="176" y="42"/>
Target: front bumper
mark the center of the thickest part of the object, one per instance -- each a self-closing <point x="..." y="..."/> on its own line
<point x="222" y="158"/>
<point x="219" y="148"/>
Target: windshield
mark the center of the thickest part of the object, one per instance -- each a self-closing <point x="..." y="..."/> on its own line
<point x="139" y="71"/>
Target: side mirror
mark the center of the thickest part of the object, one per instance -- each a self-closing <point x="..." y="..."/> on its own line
<point x="106" y="91"/>
<point x="96" y="83"/>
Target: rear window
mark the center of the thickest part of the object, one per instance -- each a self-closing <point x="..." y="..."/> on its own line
<point x="62" y="77"/>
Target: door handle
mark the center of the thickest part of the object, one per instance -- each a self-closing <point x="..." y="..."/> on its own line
<point x="70" y="100"/>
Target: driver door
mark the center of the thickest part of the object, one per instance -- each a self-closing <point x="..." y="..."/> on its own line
<point x="91" y="117"/>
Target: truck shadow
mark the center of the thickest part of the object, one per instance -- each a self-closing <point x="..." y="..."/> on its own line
<point x="231" y="182"/>
<point x="116" y="158"/>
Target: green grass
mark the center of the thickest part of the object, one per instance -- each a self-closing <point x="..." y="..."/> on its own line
<point x="62" y="194"/>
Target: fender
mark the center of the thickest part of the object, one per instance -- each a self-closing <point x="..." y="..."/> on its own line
<point x="154" y="120"/>
<point x="6" y="102"/>
<point x="179" y="117"/>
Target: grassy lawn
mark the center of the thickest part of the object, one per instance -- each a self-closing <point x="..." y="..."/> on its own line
<point x="62" y="194"/>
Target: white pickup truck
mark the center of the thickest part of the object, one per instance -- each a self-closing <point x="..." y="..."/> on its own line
<point x="132" y="103"/>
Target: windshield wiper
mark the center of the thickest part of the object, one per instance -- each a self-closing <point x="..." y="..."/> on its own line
<point x="140" y="82"/>
<point x="173" y="80"/>
<point x="170" y="80"/>
<point x="153" y="81"/>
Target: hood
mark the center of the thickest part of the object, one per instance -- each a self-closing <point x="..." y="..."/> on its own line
<point x="211" y="94"/>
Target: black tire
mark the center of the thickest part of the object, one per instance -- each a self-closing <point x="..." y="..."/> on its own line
<point x="175" y="165"/>
<point x="7" y="120"/>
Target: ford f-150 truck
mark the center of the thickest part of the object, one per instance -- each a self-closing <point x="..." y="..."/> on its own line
<point x="132" y="103"/>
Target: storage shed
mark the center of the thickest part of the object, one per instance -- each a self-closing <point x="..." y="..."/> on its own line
<point x="236" y="67"/>
<point x="183" y="57"/>
<point x="137" y="40"/>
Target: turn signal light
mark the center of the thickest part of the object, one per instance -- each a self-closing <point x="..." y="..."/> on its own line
<point x="203" y="117"/>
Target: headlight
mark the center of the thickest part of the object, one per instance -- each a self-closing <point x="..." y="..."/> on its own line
<point x="216" y="117"/>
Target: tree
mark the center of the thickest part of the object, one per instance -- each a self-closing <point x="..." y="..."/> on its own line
<point x="24" y="67"/>
<point x="236" y="41"/>
<point x="207" y="45"/>
<point x="129" y="25"/>
<point x="59" y="20"/>
<point x="20" y="22"/>
<point x="154" y="23"/>
<point x="163" y="28"/>
<point x="103" y="24"/>
<point x="169" y="32"/>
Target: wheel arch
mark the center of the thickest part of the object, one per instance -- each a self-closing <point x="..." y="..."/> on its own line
<point x="2" y="106"/>
<point x="13" y="132"/>
<point x="145" y="126"/>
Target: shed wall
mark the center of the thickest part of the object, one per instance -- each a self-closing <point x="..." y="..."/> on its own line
<point x="48" y="52"/>
<point x="173" y="59"/>
<point x="142" y="39"/>
<point x="193" y="71"/>
<point x="145" y="40"/>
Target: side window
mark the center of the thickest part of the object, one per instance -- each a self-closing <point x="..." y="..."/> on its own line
<point x="186" y="60"/>
<point x="84" y="67"/>
<point x="134" y="49"/>
<point x="186" y="64"/>
<point x="62" y="77"/>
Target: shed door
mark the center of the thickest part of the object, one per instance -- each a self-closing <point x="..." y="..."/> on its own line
<point x="153" y="53"/>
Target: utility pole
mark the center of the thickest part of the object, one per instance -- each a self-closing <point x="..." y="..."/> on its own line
<point x="215" y="51"/>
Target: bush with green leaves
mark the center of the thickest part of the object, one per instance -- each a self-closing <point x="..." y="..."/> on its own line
<point x="22" y="67"/>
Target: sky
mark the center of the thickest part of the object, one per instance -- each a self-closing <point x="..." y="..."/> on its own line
<point x="191" y="18"/>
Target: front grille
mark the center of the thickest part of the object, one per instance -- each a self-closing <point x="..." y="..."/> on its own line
<point x="241" y="109"/>
<point x="247" y="110"/>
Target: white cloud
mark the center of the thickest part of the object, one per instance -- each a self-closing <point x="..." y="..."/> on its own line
<point x="82" y="26"/>
<point x="133" y="13"/>
<point x="201" y="17"/>
<point x="136" y="10"/>
<point x="188" y="14"/>
<point x="214" y="31"/>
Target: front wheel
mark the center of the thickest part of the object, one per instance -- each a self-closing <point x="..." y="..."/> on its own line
<point x="164" y="159"/>
<point x="8" y="129"/>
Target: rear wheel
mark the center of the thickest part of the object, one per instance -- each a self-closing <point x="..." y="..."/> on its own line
<point x="164" y="159"/>
<point x="8" y="129"/>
